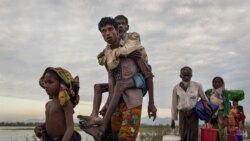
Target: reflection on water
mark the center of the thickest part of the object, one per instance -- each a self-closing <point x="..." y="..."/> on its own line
<point x="26" y="134"/>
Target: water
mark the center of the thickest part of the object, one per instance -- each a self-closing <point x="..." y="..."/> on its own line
<point x="19" y="133"/>
<point x="27" y="134"/>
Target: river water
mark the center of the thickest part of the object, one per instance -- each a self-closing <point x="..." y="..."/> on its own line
<point x="27" y="134"/>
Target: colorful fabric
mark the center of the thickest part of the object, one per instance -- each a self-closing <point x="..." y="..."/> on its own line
<point x="226" y="102"/>
<point x="205" y="109"/>
<point x="126" y="123"/>
<point x="241" y="116"/>
<point x="232" y="119"/>
<point x="72" y="85"/>
<point x="140" y="83"/>
<point x="218" y="92"/>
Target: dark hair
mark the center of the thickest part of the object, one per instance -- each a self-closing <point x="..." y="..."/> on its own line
<point x="240" y="108"/>
<point x="218" y="77"/>
<point x="122" y="17"/>
<point x="57" y="77"/>
<point x="74" y="84"/>
<point x="107" y="21"/>
<point x="186" y="68"/>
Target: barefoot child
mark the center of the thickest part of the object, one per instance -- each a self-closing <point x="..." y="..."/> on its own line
<point x="63" y="89"/>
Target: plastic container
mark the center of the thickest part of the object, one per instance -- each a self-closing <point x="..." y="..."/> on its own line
<point x="208" y="134"/>
<point x="171" y="138"/>
<point x="239" y="135"/>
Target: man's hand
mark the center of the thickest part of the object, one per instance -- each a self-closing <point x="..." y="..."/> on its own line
<point x="101" y="54"/>
<point x="152" y="111"/>
<point x="135" y="55"/>
<point x="172" y="124"/>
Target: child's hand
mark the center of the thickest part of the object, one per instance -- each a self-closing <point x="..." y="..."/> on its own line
<point x="135" y="55"/>
<point x="38" y="131"/>
<point x="101" y="54"/>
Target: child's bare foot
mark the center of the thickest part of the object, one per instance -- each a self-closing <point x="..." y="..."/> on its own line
<point x="89" y="121"/>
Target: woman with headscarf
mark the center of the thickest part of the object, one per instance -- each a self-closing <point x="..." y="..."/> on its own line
<point x="219" y="96"/>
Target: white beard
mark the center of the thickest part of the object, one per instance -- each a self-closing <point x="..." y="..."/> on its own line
<point x="186" y="84"/>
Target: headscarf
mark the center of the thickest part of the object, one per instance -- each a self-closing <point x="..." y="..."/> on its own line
<point x="219" y="91"/>
<point x="72" y="84"/>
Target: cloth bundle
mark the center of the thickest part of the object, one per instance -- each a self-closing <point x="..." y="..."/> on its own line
<point x="205" y="109"/>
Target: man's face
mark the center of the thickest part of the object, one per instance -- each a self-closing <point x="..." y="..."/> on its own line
<point x="122" y="26"/>
<point x="186" y="75"/>
<point x="109" y="34"/>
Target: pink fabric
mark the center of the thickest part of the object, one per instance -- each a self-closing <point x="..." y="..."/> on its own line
<point x="241" y="117"/>
<point x="218" y="92"/>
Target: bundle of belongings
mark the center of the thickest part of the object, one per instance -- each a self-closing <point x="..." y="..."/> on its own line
<point x="205" y="109"/>
<point x="236" y="95"/>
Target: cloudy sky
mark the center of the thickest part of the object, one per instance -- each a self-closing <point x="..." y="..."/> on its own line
<point x="210" y="36"/>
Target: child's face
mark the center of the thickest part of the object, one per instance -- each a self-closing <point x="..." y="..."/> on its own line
<point x="217" y="83"/>
<point x="51" y="84"/>
<point x="122" y="26"/>
<point x="235" y="103"/>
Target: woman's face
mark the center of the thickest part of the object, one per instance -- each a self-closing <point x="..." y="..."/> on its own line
<point x="217" y="83"/>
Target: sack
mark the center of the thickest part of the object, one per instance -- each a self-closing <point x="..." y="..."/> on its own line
<point x="236" y="95"/>
<point x="205" y="109"/>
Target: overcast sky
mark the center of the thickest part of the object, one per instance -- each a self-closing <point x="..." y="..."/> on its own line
<point x="210" y="36"/>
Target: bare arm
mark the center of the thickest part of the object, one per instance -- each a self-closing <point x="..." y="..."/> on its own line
<point x="68" y="111"/>
<point x="148" y="75"/>
<point x="174" y="110"/>
<point x="202" y="93"/>
<point x="110" y="57"/>
<point x="151" y="106"/>
<point x="99" y="89"/>
<point x="101" y="58"/>
<point x="131" y="44"/>
<point x="174" y="105"/>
